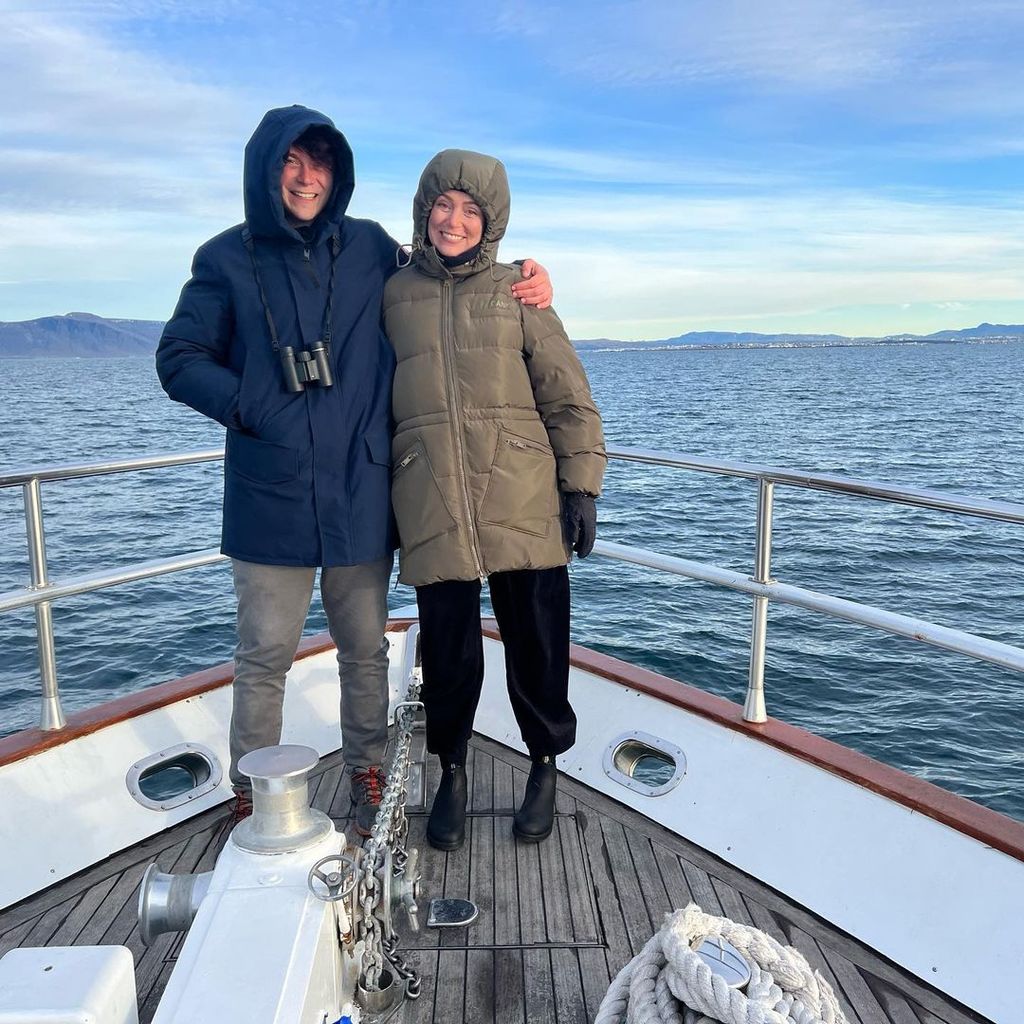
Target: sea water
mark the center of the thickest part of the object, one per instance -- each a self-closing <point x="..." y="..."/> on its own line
<point x="947" y="417"/>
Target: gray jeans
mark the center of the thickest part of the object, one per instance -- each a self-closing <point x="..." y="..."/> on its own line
<point x="272" y="604"/>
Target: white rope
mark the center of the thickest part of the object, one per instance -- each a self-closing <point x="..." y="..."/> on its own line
<point x="668" y="983"/>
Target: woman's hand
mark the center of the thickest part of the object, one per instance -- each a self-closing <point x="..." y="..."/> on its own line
<point x="579" y="522"/>
<point x="535" y="287"/>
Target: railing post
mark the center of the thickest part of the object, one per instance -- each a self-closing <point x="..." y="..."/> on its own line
<point x="51" y="716"/>
<point x="753" y="706"/>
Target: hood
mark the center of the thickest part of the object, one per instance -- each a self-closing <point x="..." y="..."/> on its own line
<point x="264" y="160"/>
<point x="483" y="178"/>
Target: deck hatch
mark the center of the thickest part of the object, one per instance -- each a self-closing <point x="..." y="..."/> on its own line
<point x="174" y="776"/>
<point x="644" y="763"/>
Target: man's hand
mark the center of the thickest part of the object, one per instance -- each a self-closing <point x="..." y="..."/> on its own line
<point x="579" y="519"/>
<point x="535" y="287"/>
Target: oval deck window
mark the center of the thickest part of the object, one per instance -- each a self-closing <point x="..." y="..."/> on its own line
<point x="644" y="763"/>
<point x="174" y="776"/>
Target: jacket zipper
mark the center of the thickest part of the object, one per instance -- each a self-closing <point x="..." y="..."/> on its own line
<point x="448" y="352"/>
<point x="310" y="269"/>
<point x="405" y="462"/>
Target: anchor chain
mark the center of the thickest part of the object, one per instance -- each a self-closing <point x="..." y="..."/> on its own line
<point x="389" y="835"/>
<point x="401" y="968"/>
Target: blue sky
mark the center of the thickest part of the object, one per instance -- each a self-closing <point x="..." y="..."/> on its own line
<point x="819" y="165"/>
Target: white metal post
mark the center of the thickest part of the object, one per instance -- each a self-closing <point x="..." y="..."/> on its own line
<point x="753" y="706"/>
<point x="51" y="715"/>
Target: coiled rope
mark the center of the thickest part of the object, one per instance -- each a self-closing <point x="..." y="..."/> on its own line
<point x="668" y="983"/>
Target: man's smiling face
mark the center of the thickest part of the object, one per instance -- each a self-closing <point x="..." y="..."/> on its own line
<point x="305" y="186"/>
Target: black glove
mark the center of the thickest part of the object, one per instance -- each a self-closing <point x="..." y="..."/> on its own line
<point x="579" y="518"/>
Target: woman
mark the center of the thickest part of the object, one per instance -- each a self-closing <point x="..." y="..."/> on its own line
<point x="498" y="456"/>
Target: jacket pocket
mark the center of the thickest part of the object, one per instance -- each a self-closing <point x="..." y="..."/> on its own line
<point x="261" y="461"/>
<point x="420" y="508"/>
<point x="522" y="492"/>
<point x="378" y="446"/>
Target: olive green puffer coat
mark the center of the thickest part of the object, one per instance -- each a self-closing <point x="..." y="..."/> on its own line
<point x="493" y="410"/>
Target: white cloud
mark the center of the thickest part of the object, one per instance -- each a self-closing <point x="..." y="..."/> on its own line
<point x="671" y="206"/>
<point x="654" y="266"/>
<point x="964" y="57"/>
<point x="73" y="83"/>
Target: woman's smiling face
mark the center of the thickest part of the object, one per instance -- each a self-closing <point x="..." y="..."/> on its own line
<point x="456" y="223"/>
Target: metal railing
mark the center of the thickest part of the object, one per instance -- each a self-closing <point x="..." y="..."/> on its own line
<point x="41" y="591"/>
<point x="763" y="588"/>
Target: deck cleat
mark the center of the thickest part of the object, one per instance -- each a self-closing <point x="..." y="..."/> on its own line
<point x="169" y="903"/>
<point x="724" y="959"/>
<point x="282" y="820"/>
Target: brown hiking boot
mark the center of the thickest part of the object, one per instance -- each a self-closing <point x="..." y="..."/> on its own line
<point x="242" y="807"/>
<point x="367" y="790"/>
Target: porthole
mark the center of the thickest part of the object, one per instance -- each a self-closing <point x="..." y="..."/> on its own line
<point x="644" y="763"/>
<point x="174" y="776"/>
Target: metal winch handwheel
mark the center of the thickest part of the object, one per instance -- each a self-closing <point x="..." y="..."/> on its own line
<point x="339" y="883"/>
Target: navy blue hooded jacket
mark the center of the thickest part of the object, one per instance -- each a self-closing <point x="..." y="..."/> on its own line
<point x="306" y="475"/>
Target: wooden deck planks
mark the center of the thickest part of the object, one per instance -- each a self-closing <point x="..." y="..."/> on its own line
<point x="450" y="989"/>
<point x="896" y="1007"/>
<point x="570" y="1002"/>
<point x="82" y="913"/>
<point x="482" y="879"/>
<point x="556" y="888"/>
<point x="557" y="919"/>
<point x="538" y="987"/>
<point x="480" y="991"/>
<point x="612" y="923"/>
<point x="424" y="962"/>
<point x="800" y="940"/>
<point x="530" y="894"/>
<point x="509" y="991"/>
<point x="672" y="877"/>
<point x="579" y="882"/>
<point x="506" y="885"/>
<point x="651" y="883"/>
<point x="456" y="882"/>
<point x="765" y="920"/>
<point x="595" y="977"/>
<point x="14" y="938"/>
<point x="629" y="894"/>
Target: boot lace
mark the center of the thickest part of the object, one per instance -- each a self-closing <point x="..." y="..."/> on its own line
<point x="370" y="783"/>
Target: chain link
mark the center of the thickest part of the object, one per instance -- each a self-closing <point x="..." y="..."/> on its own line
<point x="390" y="832"/>
<point x="401" y="968"/>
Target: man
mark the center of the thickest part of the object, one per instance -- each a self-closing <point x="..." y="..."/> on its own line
<point x="277" y="336"/>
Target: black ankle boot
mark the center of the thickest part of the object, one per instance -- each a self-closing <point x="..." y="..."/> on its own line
<point x="536" y="817"/>
<point x="446" y="829"/>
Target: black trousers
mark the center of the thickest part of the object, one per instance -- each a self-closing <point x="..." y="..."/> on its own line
<point x="532" y="608"/>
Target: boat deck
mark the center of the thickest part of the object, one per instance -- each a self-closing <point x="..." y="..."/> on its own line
<point x="557" y="920"/>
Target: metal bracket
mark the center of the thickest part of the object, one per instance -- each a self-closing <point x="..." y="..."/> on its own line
<point x="451" y="913"/>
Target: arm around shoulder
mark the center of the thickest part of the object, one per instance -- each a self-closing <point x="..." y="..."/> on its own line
<point x="192" y="356"/>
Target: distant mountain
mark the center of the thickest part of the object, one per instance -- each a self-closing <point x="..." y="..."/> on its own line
<point x="85" y="335"/>
<point x="706" y="339"/>
<point x="981" y="331"/>
<point x="79" y="334"/>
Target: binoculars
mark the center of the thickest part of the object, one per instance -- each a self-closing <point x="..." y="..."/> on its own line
<point x="307" y="366"/>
